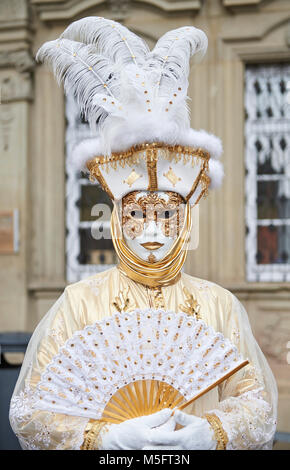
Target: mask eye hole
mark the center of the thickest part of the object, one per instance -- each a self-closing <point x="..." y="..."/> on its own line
<point x="137" y="214"/>
<point x="166" y="214"/>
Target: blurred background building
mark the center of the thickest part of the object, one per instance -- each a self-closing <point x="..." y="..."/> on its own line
<point x="240" y="92"/>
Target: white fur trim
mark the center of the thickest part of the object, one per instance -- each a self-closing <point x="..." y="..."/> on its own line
<point x="123" y="140"/>
<point x="216" y="173"/>
<point x="83" y="152"/>
<point x="203" y="139"/>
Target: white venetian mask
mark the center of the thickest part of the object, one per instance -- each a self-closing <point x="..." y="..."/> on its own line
<point x="151" y="222"/>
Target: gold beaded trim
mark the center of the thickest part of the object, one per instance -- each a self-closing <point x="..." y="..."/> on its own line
<point x="220" y="435"/>
<point x="94" y="435"/>
<point x="158" y="298"/>
<point x="149" y="152"/>
<point x="180" y="151"/>
<point x="132" y="156"/>
<point x="96" y="174"/>
<point x="152" y="157"/>
<point x="204" y="179"/>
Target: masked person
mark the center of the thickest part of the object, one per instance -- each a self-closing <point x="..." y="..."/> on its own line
<point x="155" y="168"/>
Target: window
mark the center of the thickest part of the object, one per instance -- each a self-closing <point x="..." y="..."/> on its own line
<point x="85" y="254"/>
<point x="267" y="152"/>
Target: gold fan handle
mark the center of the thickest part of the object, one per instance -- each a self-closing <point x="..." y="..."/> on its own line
<point x="229" y="374"/>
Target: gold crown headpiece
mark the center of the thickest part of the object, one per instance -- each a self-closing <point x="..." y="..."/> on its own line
<point x="153" y="167"/>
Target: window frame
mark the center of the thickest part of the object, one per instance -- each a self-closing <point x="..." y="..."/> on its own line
<point x="274" y="272"/>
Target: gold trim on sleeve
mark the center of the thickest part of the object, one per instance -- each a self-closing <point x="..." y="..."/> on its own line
<point x="219" y="433"/>
<point x="93" y="435"/>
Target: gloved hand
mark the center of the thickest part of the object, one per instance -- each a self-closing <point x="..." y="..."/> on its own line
<point x="134" y="433"/>
<point x="196" y="434"/>
<point x="166" y="427"/>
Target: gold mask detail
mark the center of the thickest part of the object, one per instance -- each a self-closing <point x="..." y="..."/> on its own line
<point x="136" y="211"/>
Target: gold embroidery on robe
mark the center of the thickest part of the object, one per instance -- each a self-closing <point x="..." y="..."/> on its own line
<point x="122" y="301"/>
<point x="191" y="306"/>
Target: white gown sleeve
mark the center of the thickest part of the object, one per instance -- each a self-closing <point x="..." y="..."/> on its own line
<point x="44" y="430"/>
<point x="247" y="410"/>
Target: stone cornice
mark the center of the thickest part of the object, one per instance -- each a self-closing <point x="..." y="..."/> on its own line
<point x="241" y="3"/>
<point x="67" y="9"/>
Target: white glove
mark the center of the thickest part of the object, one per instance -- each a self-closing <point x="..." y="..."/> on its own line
<point x="197" y="434"/>
<point x="168" y="426"/>
<point x="133" y="433"/>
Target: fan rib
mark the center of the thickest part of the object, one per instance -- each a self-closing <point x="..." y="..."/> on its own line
<point x="130" y="405"/>
<point x="156" y="404"/>
<point x="151" y="397"/>
<point x="177" y="401"/>
<point x="164" y="398"/>
<point x="122" y="412"/>
<point x="139" y="399"/>
<point x="123" y="407"/>
<point x="145" y="401"/>
<point x="111" y="420"/>
<point x="112" y="415"/>
<point x="134" y="403"/>
<point x="171" y="398"/>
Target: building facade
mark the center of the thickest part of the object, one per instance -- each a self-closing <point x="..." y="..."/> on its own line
<point x="240" y="92"/>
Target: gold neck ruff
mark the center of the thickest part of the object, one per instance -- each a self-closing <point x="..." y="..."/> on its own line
<point x="161" y="273"/>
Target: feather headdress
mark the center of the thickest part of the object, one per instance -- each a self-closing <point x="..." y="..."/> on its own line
<point x="129" y="94"/>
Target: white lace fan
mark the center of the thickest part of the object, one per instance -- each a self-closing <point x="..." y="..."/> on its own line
<point x="134" y="364"/>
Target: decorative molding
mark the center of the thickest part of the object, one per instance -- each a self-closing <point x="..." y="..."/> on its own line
<point x="171" y="6"/>
<point x="15" y="64"/>
<point x="6" y="123"/>
<point x="15" y="86"/>
<point x="14" y="16"/>
<point x="287" y="35"/>
<point x="13" y="10"/>
<point x="20" y="60"/>
<point x="241" y="3"/>
<point x="255" y="30"/>
<point x="15" y="76"/>
<point x="118" y="9"/>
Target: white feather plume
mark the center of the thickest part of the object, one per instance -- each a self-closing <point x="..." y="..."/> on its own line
<point x="127" y="93"/>
<point x="85" y="74"/>
<point x="111" y="39"/>
<point x="171" y="55"/>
